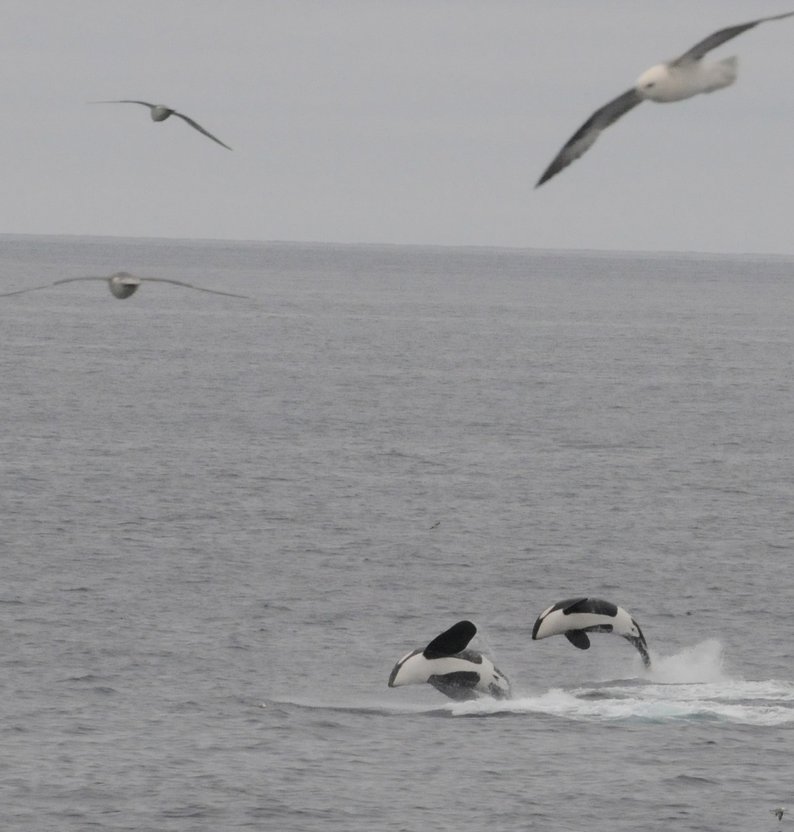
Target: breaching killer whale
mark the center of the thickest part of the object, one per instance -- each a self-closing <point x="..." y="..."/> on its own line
<point x="450" y="668"/>
<point x="576" y="617"/>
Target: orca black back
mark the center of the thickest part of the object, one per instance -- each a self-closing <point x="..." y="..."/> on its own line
<point x="583" y="605"/>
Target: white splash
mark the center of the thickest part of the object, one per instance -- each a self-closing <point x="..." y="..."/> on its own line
<point x="691" y="685"/>
<point x="703" y="662"/>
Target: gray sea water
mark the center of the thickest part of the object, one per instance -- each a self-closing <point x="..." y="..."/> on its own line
<point x="223" y="521"/>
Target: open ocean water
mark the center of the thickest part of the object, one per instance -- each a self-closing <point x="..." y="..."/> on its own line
<point x="223" y="521"/>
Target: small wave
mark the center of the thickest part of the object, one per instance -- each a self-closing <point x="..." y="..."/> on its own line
<point x="690" y="780"/>
<point x="88" y="677"/>
<point x="375" y="708"/>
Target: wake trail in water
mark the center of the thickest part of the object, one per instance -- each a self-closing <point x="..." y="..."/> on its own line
<point x="691" y="685"/>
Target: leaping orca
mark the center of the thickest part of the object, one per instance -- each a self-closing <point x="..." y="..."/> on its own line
<point x="450" y="668"/>
<point x="576" y="617"/>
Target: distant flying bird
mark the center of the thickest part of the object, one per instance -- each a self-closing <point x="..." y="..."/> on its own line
<point x="675" y="80"/>
<point x="778" y="813"/>
<point x="159" y="112"/>
<point x="122" y="285"/>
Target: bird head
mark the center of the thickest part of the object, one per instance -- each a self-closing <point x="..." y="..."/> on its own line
<point x="650" y="80"/>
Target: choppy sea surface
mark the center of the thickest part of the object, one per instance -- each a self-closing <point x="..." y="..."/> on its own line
<point x="222" y="521"/>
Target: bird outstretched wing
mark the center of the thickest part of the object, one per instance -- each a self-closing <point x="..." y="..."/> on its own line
<point x="718" y="38"/>
<point x="198" y="127"/>
<point x="125" y="101"/>
<point x="49" y="285"/>
<point x="586" y="135"/>
<point x="191" y="286"/>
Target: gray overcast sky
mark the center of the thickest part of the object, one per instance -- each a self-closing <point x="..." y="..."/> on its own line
<point x="396" y="121"/>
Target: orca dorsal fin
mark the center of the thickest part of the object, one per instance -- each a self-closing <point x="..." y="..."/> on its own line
<point x="578" y="638"/>
<point x="451" y="641"/>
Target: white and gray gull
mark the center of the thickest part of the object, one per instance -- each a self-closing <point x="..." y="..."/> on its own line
<point x="675" y="80"/>
<point x="123" y="284"/>
<point x="159" y="112"/>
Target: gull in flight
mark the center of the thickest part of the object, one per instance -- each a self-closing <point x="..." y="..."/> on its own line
<point x="159" y="112"/>
<point x="675" y="80"/>
<point x="122" y="285"/>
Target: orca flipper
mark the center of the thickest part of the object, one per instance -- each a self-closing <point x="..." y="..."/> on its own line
<point x="451" y="641"/>
<point x="578" y="638"/>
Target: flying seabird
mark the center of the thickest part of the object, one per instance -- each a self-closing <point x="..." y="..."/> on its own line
<point x="122" y="285"/>
<point x="674" y="80"/>
<point x="778" y="813"/>
<point x="159" y="112"/>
